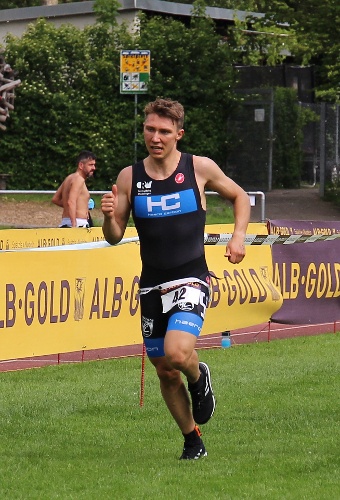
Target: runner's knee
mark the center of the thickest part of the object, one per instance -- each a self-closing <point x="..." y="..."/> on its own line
<point x="168" y="375"/>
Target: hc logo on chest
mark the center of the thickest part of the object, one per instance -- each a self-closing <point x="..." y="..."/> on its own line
<point x="165" y="205"/>
<point x="167" y="202"/>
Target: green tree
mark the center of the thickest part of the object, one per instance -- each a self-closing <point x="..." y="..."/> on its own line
<point x="13" y="4"/>
<point x="309" y="31"/>
<point x="289" y="121"/>
<point x="317" y="28"/>
<point x="190" y="64"/>
<point x="51" y="72"/>
<point x="68" y="100"/>
<point x="106" y="12"/>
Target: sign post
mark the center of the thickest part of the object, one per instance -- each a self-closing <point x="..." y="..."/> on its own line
<point x="134" y="77"/>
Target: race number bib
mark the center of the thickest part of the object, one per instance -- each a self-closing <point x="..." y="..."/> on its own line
<point x="180" y="295"/>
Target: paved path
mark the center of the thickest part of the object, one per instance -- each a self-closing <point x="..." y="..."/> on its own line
<point x="295" y="204"/>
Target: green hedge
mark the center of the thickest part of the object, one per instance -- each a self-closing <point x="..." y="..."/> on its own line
<point x="70" y="100"/>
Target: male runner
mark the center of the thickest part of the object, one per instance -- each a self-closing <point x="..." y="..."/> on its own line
<point x="165" y="194"/>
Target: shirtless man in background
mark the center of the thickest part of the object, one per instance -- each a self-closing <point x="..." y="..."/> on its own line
<point x="73" y="195"/>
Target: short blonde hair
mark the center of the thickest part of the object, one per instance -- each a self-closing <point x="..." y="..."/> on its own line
<point x="168" y="109"/>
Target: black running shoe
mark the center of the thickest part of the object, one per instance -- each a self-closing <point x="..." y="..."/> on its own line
<point x="203" y="399"/>
<point x="194" y="451"/>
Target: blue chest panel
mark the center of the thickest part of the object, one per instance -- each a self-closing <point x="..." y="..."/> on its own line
<point x="182" y="202"/>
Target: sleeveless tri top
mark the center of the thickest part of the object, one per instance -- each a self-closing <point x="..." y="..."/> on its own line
<point x="168" y="216"/>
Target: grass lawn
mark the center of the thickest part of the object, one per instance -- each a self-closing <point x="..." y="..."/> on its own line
<point x="77" y="431"/>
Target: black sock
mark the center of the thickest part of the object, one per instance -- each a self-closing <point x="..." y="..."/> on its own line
<point x="192" y="438"/>
<point x="196" y="386"/>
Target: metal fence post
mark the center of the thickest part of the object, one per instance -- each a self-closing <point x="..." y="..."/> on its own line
<point x="322" y="149"/>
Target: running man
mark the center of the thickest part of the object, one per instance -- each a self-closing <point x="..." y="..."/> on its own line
<point x="165" y="193"/>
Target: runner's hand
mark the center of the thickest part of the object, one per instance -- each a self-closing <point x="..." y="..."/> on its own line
<point x="235" y="250"/>
<point x="109" y="202"/>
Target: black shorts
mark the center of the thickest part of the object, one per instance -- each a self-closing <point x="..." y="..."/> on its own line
<point x="177" y="305"/>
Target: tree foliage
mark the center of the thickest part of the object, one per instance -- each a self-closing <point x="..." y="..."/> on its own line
<point x="15" y="4"/>
<point x="195" y="68"/>
<point x="68" y="101"/>
<point x="288" y="141"/>
<point x="69" y="98"/>
<point x="309" y="31"/>
<point x="317" y="28"/>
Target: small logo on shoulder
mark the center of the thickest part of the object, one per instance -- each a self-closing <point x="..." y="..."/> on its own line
<point x="144" y="187"/>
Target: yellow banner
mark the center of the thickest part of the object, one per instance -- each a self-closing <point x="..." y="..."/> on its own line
<point x="68" y="300"/>
<point x="20" y="239"/>
<point x="243" y="294"/>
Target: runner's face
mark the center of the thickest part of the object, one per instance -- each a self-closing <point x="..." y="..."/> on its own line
<point x="161" y="135"/>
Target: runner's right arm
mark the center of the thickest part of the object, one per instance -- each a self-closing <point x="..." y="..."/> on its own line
<point x="116" y="207"/>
